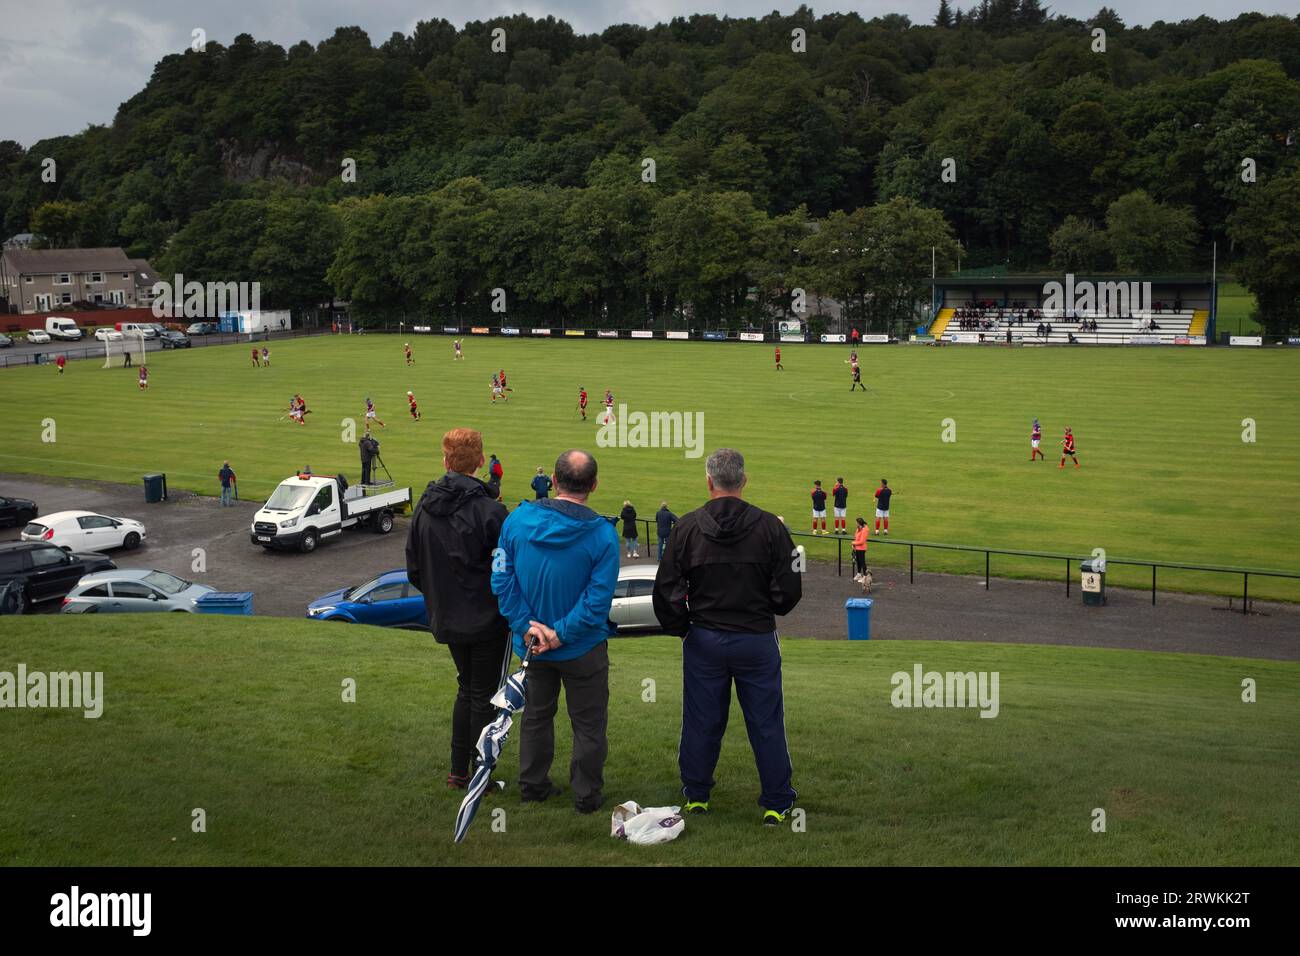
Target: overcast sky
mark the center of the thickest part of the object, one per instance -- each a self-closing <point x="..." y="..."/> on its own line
<point x="65" y="64"/>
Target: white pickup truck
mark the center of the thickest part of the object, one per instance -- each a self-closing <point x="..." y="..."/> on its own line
<point x="306" y="509"/>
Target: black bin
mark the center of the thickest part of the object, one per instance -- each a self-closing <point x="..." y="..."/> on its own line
<point x="155" y="488"/>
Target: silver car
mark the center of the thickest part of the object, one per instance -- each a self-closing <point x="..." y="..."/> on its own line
<point x="632" y="608"/>
<point x="133" y="590"/>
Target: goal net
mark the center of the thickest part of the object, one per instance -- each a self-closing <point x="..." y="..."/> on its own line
<point x="122" y="345"/>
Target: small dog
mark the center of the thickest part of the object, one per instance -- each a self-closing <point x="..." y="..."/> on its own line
<point x="865" y="580"/>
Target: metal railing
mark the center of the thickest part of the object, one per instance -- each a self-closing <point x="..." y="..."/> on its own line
<point x="1069" y="559"/>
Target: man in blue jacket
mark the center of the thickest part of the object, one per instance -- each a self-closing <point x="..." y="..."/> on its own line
<point x="554" y="580"/>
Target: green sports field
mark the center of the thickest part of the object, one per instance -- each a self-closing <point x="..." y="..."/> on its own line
<point x="244" y="719"/>
<point x="1165" y="473"/>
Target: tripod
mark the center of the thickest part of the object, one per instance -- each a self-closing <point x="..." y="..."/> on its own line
<point x="383" y="466"/>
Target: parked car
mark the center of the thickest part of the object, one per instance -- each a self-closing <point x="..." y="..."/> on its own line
<point x="108" y="335"/>
<point x="203" y="328"/>
<point x="16" y="511"/>
<point x="85" y="531"/>
<point x="632" y="608"/>
<point x="38" y="337"/>
<point x="174" y="340"/>
<point x="134" y="590"/>
<point x="43" y="572"/>
<point x="389" y="600"/>
<point x="5" y="341"/>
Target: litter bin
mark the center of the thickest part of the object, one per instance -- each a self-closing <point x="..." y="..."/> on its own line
<point x="226" y="602"/>
<point x="1092" y="582"/>
<point x="859" y="612"/>
<point x="155" y="488"/>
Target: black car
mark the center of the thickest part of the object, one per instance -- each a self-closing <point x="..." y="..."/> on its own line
<point x="37" y="572"/>
<point x="172" y="339"/>
<point x="16" y="511"/>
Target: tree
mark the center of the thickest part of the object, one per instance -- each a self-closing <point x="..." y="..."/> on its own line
<point x="1146" y="237"/>
<point x="1079" y="246"/>
<point x="1267" y="259"/>
<point x="943" y="19"/>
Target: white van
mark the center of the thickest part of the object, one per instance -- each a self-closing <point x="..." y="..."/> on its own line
<point x="137" y="328"/>
<point x="61" y="328"/>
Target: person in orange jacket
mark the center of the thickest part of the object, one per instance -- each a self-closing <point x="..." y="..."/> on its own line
<point x="860" y="550"/>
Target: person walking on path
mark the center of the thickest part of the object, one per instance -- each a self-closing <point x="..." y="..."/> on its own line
<point x="227" y="478"/>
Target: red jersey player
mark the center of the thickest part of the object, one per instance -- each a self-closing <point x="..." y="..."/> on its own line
<point x="1067" y="448"/>
<point x="779" y="366"/>
<point x="415" y="412"/>
<point x="582" y="402"/>
<point x="409" y="359"/>
<point x="144" y="379"/>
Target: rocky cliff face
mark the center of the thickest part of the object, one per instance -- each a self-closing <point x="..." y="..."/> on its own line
<point x="264" y="161"/>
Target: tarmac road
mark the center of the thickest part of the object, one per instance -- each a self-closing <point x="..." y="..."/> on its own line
<point x="936" y="607"/>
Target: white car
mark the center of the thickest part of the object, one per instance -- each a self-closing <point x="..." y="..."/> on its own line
<point x="108" y="335"/>
<point x="38" y="337"/>
<point x="85" y="531"/>
<point x="633" y="607"/>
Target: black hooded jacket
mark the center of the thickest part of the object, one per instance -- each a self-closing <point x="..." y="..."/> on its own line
<point x="449" y="557"/>
<point x="734" y="564"/>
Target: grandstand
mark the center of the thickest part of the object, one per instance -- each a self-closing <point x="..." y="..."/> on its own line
<point x="985" y="308"/>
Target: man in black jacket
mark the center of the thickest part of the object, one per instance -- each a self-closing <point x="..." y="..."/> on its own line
<point x="729" y="569"/>
<point x="369" y="451"/>
<point x="449" y="555"/>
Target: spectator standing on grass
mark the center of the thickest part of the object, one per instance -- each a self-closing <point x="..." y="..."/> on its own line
<point x="628" y="515"/>
<point x="664" y="521"/>
<point x="449" y="555"/>
<point x="541" y="484"/>
<point x="727" y="574"/>
<point x="227" y="478"/>
<point x="495" y="474"/>
<point x="555" y="584"/>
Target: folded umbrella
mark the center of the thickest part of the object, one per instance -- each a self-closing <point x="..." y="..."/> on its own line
<point x="509" y="699"/>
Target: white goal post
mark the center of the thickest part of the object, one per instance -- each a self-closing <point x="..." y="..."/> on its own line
<point x="116" y="349"/>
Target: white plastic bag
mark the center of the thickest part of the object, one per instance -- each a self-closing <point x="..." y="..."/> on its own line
<point x="646" y="825"/>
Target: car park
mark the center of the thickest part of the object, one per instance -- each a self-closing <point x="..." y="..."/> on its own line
<point x="39" y="572"/>
<point x="16" y="511"/>
<point x="38" y="337"/>
<point x="632" y="608"/>
<point x="170" y="339"/>
<point x="85" y="531"/>
<point x="389" y="600"/>
<point x="134" y="590"/>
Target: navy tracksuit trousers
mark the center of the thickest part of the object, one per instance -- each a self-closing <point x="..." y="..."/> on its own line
<point x="711" y="660"/>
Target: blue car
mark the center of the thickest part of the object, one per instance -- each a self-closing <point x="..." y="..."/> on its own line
<point x="386" y="601"/>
